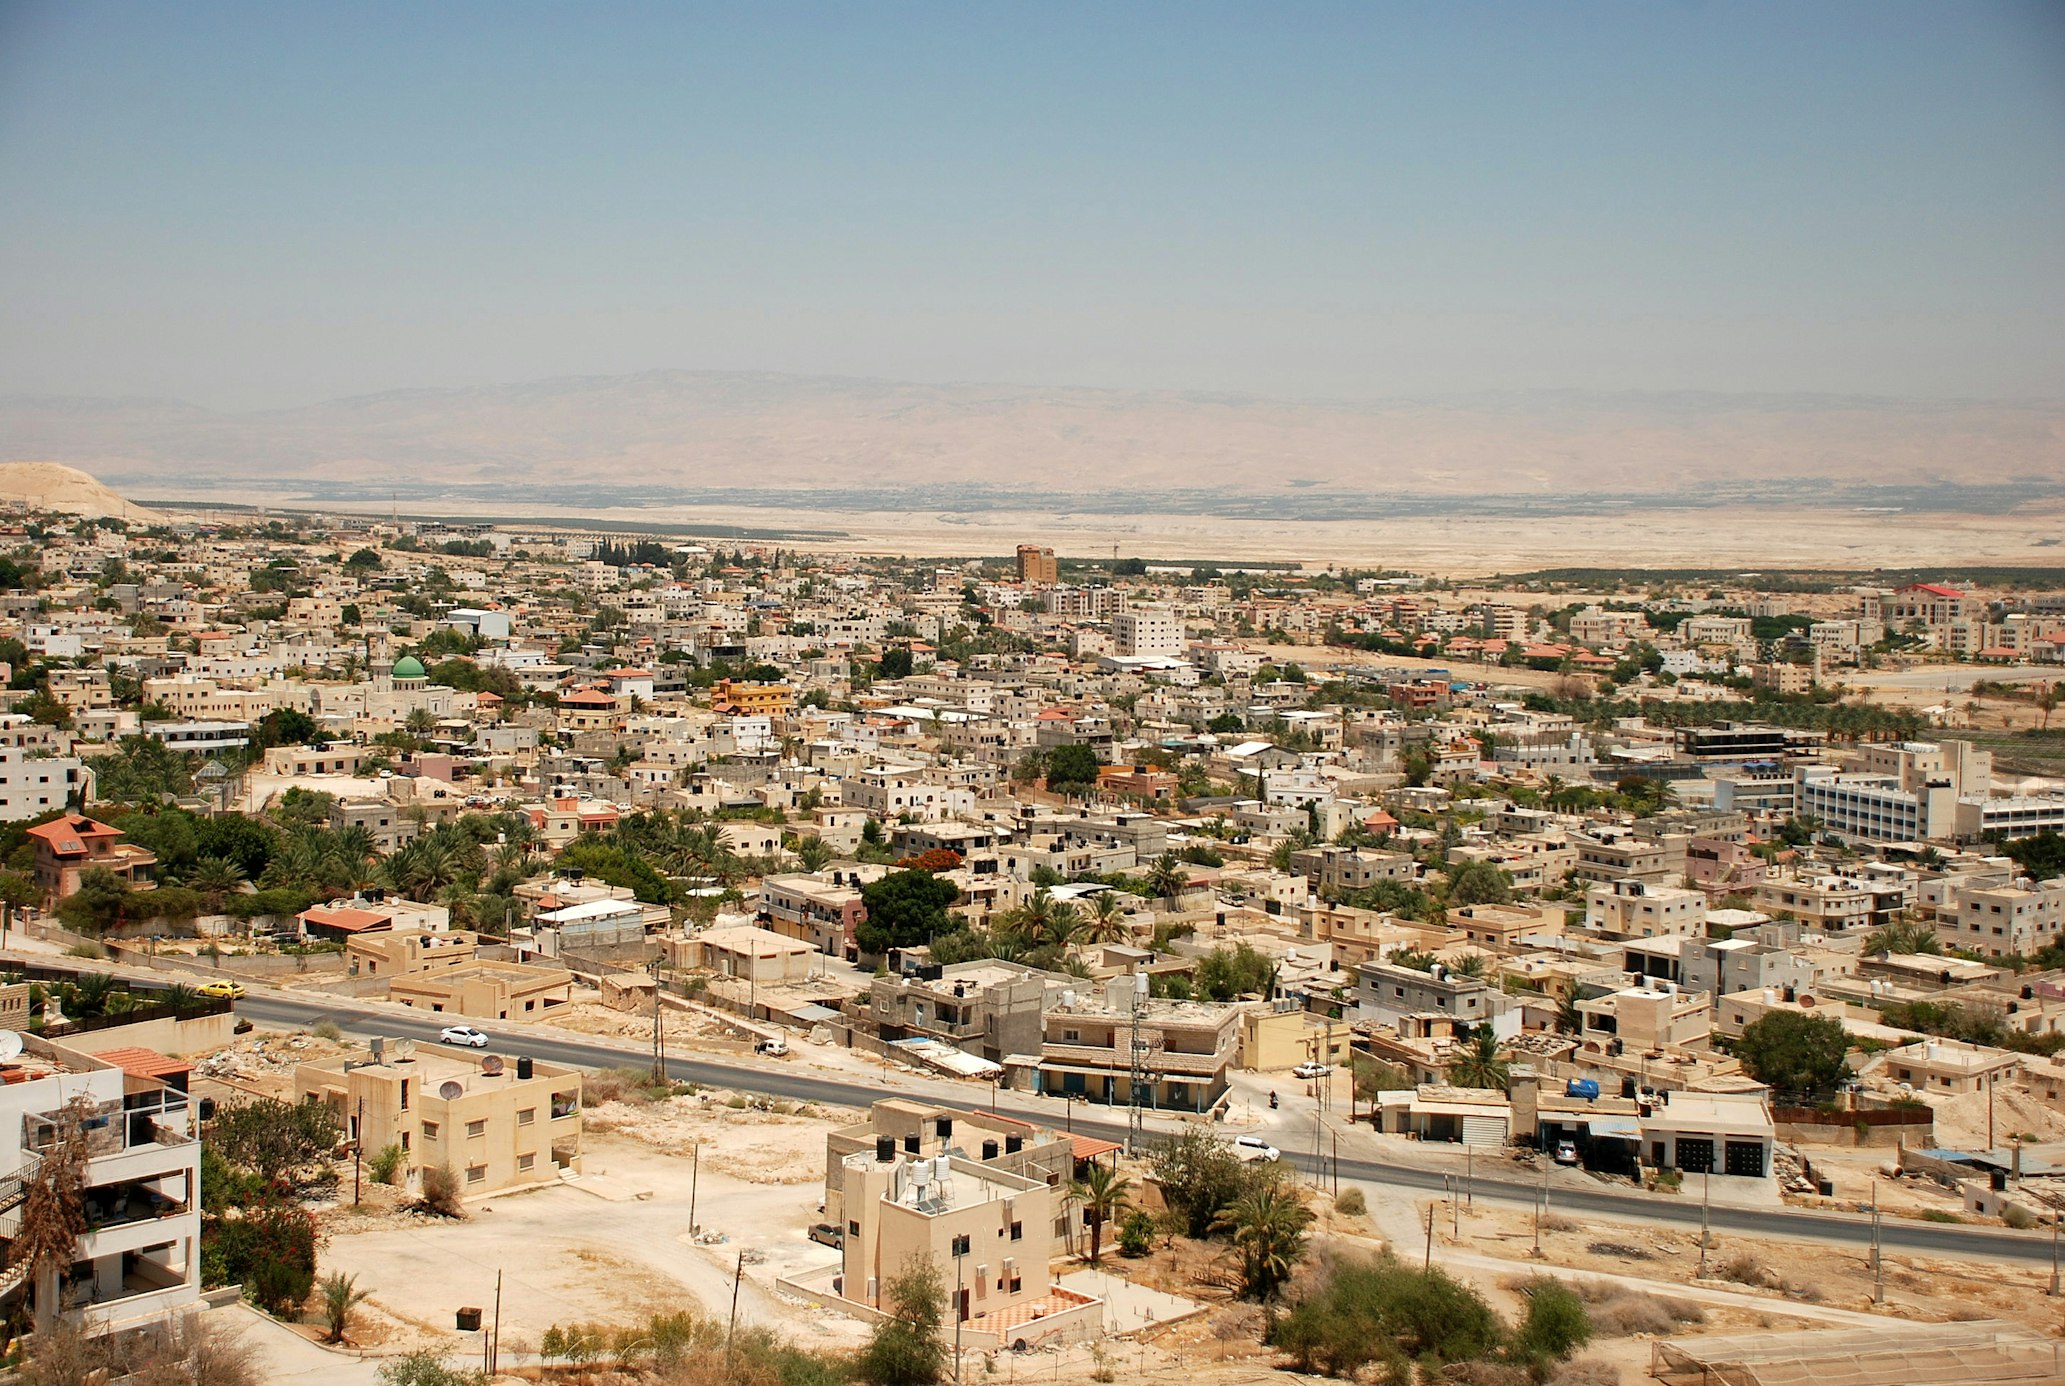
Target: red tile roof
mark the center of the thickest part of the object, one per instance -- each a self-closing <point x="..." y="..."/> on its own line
<point x="145" y="1063"/>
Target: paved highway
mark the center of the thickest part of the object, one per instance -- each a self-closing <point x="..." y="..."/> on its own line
<point x="779" y="1080"/>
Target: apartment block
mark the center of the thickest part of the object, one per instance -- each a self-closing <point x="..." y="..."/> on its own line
<point x="495" y="1122"/>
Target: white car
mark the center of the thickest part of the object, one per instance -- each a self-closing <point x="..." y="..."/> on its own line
<point x="1253" y="1148"/>
<point x="1566" y="1152"/>
<point x="1312" y="1069"/>
<point x="462" y="1034"/>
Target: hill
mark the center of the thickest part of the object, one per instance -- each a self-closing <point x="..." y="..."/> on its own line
<point x="710" y="431"/>
<point x="54" y="486"/>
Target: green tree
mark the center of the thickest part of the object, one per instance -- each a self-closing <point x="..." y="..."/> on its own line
<point x="141" y="770"/>
<point x="1556" y="1324"/>
<point x="895" y="663"/>
<point x="1795" y="1053"/>
<point x="1478" y="883"/>
<point x="1198" y="1175"/>
<point x="341" y="1295"/>
<point x="908" y="1347"/>
<point x="1102" y="1193"/>
<point x="1071" y="768"/>
<point x="1226" y="974"/>
<point x="1479" y="1064"/>
<point x="274" y="1139"/>
<point x="1380" y="1310"/>
<point x="1167" y="878"/>
<point x="1268" y="1223"/>
<point x="905" y="909"/>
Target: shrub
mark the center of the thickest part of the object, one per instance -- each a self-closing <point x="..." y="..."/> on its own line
<point x="386" y="1164"/>
<point x="1381" y="1311"/>
<point x="441" y="1192"/>
<point x="1938" y="1215"/>
<point x="2018" y="1218"/>
<point x="269" y="1250"/>
<point x="328" y="1030"/>
<point x="85" y="950"/>
<point x="1350" y="1203"/>
<point x="906" y="1348"/>
<point x="1556" y="1323"/>
<point x="1136" y="1234"/>
<point x="426" y="1368"/>
<point x="1742" y="1269"/>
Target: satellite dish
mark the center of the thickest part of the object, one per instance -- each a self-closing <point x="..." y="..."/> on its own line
<point x="451" y="1089"/>
<point x="492" y="1065"/>
<point x="10" y="1044"/>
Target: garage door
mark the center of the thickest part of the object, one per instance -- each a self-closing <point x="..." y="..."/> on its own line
<point x="1745" y="1159"/>
<point x="1484" y="1130"/>
<point x="1696" y="1154"/>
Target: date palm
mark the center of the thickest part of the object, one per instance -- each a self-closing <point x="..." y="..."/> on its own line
<point x="1102" y="1193"/>
<point x="1268" y="1224"/>
<point x="1106" y="921"/>
<point x="1167" y="878"/>
<point x="1479" y="1064"/>
<point x="341" y="1295"/>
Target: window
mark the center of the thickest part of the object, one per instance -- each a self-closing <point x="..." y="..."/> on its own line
<point x="527" y="1116"/>
<point x="526" y="1161"/>
<point x="961" y="1246"/>
<point x="1017" y="1231"/>
<point x="476" y="1129"/>
<point x="853" y="1228"/>
<point x="405" y="1094"/>
<point x="476" y="1174"/>
<point x="429" y="1130"/>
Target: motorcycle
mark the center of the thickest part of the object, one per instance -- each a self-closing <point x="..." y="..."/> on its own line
<point x="1272" y="1102"/>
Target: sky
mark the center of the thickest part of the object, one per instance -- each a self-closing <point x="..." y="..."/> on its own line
<point x="256" y="206"/>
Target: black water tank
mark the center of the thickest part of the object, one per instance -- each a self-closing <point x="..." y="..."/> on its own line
<point x="524" y="1067"/>
<point x="1013" y="1144"/>
<point x="911" y="1143"/>
<point x="989" y="1151"/>
<point x="885" y="1149"/>
<point x="943" y="1127"/>
<point x="1999" y="1178"/>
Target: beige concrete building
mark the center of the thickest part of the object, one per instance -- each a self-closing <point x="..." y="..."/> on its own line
<point x="398" y="952"/>
<point x="746" y="952"/>
<point x="486" y="990"/>
<point x="497" y="1123"/>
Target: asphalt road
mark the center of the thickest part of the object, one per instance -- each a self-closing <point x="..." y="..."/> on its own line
<point x="776" y="1079"/>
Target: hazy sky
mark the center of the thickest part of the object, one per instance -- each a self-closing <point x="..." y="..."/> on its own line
<point x="251" y="205"/>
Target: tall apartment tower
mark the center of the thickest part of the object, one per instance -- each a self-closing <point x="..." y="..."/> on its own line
<point x="1037" y="566"/>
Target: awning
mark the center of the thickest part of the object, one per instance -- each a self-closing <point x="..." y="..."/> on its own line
<point x="1620" y="1128"/>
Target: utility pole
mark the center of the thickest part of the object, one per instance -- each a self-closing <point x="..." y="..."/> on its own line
<point x="1427" y="1266"/>
<point x="659" y="1031"/>
<point x="1139" y="1075"/>
<point x="358" y="1148"/>
<point x="1541" y="1204"/>
<point x="2053" y="1291"/>
<point x="733" y="1326"/>
<point x="958" y="1292"/>
<point x="495" y="1333"/>
<point x="1706" y="1183"/>
<point x="1470" y="1175"/>
<point x="695" y="1177"/>
<point x="1878" y="1256"/>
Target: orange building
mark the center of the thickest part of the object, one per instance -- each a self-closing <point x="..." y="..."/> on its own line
<point x="68" y="847"/>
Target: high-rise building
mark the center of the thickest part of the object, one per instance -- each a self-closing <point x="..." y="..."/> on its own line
<point x="1037" y="566"/>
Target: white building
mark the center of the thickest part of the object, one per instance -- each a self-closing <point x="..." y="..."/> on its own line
<point x="1147" y="631"/>
<point x="35" y="777"/>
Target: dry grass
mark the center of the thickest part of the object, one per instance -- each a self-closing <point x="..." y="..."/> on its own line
<point x="1586" y="1373"/>
<point x="1620" y="1312"/>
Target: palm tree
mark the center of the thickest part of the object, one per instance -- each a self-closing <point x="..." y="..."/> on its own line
<point x="1102" y="1193"/>
<point x="814" y="853"/>
<point x="341" y="1295"/>
<point x="1569" y="1019"/>
<point x="215" y="877"/>
<point x="419" y="721"/>
<point x="1479" y="1065"/>
<point x="1167" y="878"/>
<point x="1107" y="921"/>
<point x="1903" y="936"/>
<point x="1268" y="1224"/>
<point x="1033" y="920"/>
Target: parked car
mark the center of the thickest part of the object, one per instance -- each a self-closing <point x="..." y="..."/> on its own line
<point x="221" y="989"/>
<point x="773" y="1048"/>
<point x="828" y="1235"/>
<point x="462" y="1034"/>
<point x="1255" y="1148"/>
<point x="1566" y="1152"/>
<point x="1312" y="1069"/>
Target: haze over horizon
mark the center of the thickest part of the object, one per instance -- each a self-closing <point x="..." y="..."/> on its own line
<point x="256" y="208"/>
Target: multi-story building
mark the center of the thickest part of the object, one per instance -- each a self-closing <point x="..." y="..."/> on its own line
<point x="140" y="1258"/>
<point x="1639" y="909"/>
<point x="1389" y="993"/>
<point x="1611" y="854"/>
<point x="486" y="990"/>
<point x="1185" y="1048"/>
<point x="2002" y="921"/>
<point x="990" y="1009"/>
<point x="36" y="774"/>
<point x="1037" y="566"/>
<point x="1338" y="870"/>
<point x="1653" y="1017"/>
<point x="1722" y="967"/>
<point x="823" y="909"/>
<point x="494" y="1122"/>
<point x="68" y="847"/>
<point x="1147" y="631"/>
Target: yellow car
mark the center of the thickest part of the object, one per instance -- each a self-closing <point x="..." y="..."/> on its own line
<point x="228" y="991"/>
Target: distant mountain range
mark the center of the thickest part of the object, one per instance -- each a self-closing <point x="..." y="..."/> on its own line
<point x="692" y="432"/>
